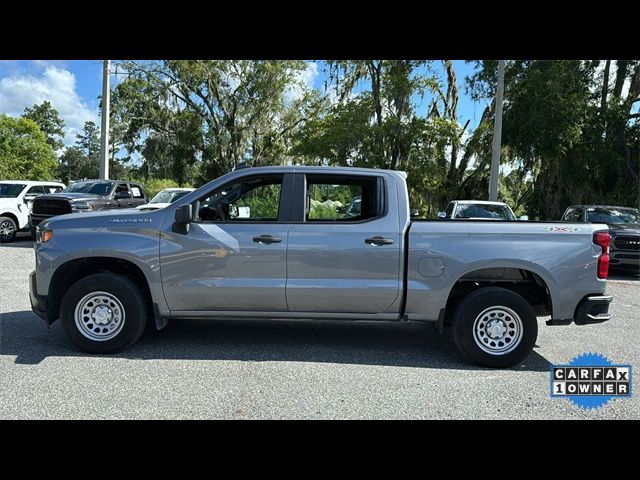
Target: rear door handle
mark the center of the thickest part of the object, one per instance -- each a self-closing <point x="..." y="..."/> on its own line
<point x="378" y="240"/>
<point x="267" y="239"/>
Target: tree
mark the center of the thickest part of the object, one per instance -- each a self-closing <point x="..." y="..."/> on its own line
<point x="218" y="112"/>
<point x="25" y="153"/>
<point x="49" y="121"/>
<point x="89" y="140"/>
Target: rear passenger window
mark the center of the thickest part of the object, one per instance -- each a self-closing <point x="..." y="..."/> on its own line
<point x="136" y="191"/>
<point x="340" y="198"/>
<point x="36" y="190"/>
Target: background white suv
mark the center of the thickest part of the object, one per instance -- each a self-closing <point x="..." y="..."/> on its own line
<point x="16" y="200"/>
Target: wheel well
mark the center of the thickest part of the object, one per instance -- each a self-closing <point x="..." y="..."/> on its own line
<point x="12" y="217"/>
<point x="69" y="273"/>
<point x="525" y="283"/>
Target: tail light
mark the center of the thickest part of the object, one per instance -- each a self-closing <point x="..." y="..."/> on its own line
<point x="603" y="240"/>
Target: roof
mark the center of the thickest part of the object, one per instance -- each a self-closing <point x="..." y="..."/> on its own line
<point x="600" y="206"/>
<point x="318" y="169"/>
<point x="31" y="183"/>
<point x="480" y="202"/>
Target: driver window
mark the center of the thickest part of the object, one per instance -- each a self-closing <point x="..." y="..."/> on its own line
<point x="250" y="199"/>
<point x="122" y="188"/>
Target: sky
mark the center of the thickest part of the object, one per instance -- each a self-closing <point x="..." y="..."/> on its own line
<point x="73" y="87"/>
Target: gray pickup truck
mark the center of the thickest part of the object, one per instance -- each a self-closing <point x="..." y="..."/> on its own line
<point x="272" y="242"/>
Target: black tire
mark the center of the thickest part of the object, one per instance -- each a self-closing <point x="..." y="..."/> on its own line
<point x="7" y="224"/>
<point x="481" y="300"/>
<point x="126" y="292"/>
<point x="33" y="233"/>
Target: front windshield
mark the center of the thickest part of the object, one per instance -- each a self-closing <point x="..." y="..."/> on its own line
<point x="476" y="210"/>
<point x="11" y="190"/>
<point x="613" y="215"/>
<point x="168" y="196"/>
<point x="96" y="188"/>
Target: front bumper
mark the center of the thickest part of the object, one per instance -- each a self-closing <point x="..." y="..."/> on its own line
<point x="625" y="259"/>
<point x="38" y="302"/>
<point x="592" y="309"/>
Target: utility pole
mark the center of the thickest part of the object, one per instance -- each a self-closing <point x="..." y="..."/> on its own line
<point x="497" y="136"/>
<point x="104" y="124"/>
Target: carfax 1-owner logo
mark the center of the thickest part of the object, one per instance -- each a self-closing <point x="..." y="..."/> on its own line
<point x="590" y="380"/>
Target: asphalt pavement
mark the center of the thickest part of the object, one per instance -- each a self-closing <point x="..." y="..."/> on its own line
<point x="230" y="369"/>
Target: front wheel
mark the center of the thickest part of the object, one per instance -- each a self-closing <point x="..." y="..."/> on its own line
<point x="494" y="327"/>
<point x="8" y="229"/>
<point x="103" y="313"/>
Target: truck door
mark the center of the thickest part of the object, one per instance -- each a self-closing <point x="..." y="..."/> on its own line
<point x="344" y="253"/>
<point x="122" y="196"/>
<point x="233" y="256"/>
<point x="137" y="195"/>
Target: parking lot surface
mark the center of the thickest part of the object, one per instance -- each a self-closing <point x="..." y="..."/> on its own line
<point x="290" y="369"/>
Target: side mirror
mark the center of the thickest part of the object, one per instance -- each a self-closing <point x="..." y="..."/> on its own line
<point x="29" y="198"/>
<point x="442" y="215"/>
<point x="183" y="217"/>
<point x="524" y="218"/>
<point x="121" y="195"/>
<point x="184" y="214"/>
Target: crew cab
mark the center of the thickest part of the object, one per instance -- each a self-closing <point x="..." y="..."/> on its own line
<point x="252" y="244"/>
<point x="16" y="201"/>
<point x="88" y="196"/>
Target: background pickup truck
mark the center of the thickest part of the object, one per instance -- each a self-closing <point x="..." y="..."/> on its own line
<point x="87" y="196"/>
<point x="252" y="243"/>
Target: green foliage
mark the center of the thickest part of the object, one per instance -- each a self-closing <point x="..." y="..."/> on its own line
<point x="569" y="134"/>
<point x="49" y="121"/>
<point x="325" y="212"/>
<point x="25" y="153"/>
<point x="216" y="113"/>
<point x="263" y="201"/>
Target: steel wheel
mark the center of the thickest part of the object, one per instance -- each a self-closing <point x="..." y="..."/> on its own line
<point x="99" y="316"/>
<point x="498" y="330"/>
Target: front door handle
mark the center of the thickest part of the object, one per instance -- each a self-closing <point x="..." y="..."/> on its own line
<point x="378" y="241"/>
<point x="267" y="239"/>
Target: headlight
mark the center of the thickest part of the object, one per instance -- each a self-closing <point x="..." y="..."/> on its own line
<point x="44" y="236"/>
<point x="81" y="207"/>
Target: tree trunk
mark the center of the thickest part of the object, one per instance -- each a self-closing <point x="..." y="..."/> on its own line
<point x="605" y="87"/>
<point x="621" y="75"/>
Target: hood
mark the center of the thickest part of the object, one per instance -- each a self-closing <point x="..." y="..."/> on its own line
<point x="72" y="197"/>
<point x="104" y="218"/>
<point x="632" y="228"/>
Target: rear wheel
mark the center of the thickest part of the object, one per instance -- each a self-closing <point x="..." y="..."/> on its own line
<point x="103" y="313"/>
<point x="494" y="327"/>
<point x="8" y="229"/>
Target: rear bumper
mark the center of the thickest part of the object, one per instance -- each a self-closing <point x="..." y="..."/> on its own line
<point x="38" y="302"/>
<point x="592" y="309"/>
